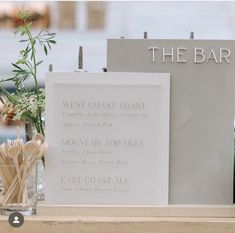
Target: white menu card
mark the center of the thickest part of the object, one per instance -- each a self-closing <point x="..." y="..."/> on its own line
<point x="108" y="136"/>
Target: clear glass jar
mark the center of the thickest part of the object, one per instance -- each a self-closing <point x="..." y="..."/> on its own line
<point x="18" y="192"/>
<point x="40" y="181"/>
<point x="30" y="131"/>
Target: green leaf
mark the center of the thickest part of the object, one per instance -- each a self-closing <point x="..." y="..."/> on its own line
<point x="2" y="100"/>
<point x="7" y="94"/>
<point x="17" y="66"/>
<point x="19" y="71"/>
<point x="50" y="34"/>
<point x="40" y="62"/>
<point x="52" y="41"/>
<point x="9" y="79"/>
<point x="45" y="49"/>
<point x="23" y="40"/>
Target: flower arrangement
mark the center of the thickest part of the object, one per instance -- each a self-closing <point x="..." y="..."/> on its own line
<point x="27" y="104"/>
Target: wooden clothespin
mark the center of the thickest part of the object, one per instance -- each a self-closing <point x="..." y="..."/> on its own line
<point x="50" y="69"/>
<point x="191" y="36"/>
<point x="145" y="35"/>
<point x="80" y="60"/>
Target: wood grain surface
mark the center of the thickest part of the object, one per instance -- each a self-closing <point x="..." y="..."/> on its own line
<point x="91" y="219"/>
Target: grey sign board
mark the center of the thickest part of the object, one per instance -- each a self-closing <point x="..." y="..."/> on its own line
<point x="202" y="110"/>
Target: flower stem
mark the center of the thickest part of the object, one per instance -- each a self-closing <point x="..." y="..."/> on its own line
<point x="32" y="42"/>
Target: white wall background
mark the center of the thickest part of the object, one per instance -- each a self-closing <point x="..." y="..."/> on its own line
<point x="209" y="20"/>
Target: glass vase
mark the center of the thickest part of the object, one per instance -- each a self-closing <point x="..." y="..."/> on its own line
<point x="30" y="131"/>
<point x="19" y="189"/>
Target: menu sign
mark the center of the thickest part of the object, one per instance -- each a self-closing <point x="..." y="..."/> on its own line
<point x="108" y="136"/>
<point x="202" y="110"/>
